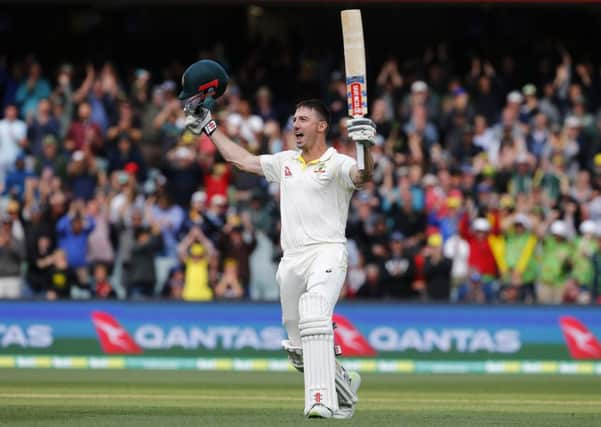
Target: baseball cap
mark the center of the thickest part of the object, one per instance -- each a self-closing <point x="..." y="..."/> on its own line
<point x="572" y="122"/>
<point x="77" y="155"/>
<point x="199" y="196"/>
<point x="484" y="187"/>
<point x="481" y="224"/>
<point x="131" y="167"/>
<point x="515" y="97"/>
<point x="522" y="220"/>
<point x="453" y="201"/>
<point x="197" y="249"/>
<point x="587" y="227"/>
<point x="183" y="152"/>
<point x="529" y="90"/>
<point x="459" y="91"/>
<point x="506" y="201"/>
<point x="521" y="158"/>
<point x="142" y="73"/>
<point x="559" y="228"/>
<point x="419" y="86"/>
<point x="169" y="86"/>
<point x="49" y="139"/>
<point x="429" y="179"/>
<point x="396" y="236"/>
<point x="435" y="240"/>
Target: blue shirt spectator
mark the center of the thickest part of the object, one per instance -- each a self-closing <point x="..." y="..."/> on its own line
<point x="14" y="184"/>
<point x="32" y="90"/>
<point x="73" y="231"/>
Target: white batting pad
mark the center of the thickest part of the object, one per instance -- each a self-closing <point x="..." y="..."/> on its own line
<point x="317" y="338"/>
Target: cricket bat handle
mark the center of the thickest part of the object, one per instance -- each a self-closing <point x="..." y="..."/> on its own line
<point x="360" y="156"/>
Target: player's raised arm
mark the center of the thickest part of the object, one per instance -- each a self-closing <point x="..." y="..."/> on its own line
<point x="201" y="121"/>
<point x="203" y="82"/>
<point x="363" y="132"/>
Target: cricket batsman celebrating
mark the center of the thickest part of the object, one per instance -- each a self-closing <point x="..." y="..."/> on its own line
<point x="316" y="185"/>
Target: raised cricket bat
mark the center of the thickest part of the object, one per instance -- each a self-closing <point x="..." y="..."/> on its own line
<point x="354" y="64"/>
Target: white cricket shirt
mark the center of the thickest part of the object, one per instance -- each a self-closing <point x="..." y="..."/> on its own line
<point x="314" y="196"/>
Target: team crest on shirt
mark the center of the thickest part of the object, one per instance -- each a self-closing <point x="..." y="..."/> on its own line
<point x="287" y="171"/>
<point x="321" y="168"/>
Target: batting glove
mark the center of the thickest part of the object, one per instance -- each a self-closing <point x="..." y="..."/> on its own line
<point x="362" y="131"/>
<point x="198" y="119"/>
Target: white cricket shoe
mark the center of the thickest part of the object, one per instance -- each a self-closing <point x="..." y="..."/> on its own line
<point x="320" y="411"/>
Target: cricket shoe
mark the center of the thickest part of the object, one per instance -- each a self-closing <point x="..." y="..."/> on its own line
<point x="320" y="411"/>
<point x="346" y="411"/>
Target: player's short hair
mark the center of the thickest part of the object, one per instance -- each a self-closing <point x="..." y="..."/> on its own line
<point x="318" y="106"/>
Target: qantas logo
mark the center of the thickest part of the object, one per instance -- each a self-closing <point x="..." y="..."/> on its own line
<point x="350" y="339"/>
<point x="114" y="339"/>
<point x="287" y="171"/>
<point x="581" y="342"/>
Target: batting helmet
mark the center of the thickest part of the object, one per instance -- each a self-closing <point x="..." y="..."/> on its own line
<point x="205" y="78"/>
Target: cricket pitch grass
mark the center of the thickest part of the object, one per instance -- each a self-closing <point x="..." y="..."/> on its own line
<point x="40" y="397"/>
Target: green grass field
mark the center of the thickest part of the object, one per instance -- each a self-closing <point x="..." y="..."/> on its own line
<point x="180" y="398"/>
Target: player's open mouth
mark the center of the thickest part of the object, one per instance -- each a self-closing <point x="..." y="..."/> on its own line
<point x="299" y="136"/>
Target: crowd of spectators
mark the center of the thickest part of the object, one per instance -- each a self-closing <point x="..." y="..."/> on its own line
<point x="486" y="188"/>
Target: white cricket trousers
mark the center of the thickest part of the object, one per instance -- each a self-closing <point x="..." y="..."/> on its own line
<point x="314" y="268"/>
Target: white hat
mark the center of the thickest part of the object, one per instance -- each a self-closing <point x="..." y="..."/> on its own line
<point x="199" y="196"/>
<point x="77" y="155"/>
<point x="573" y="122"/>
<point x="430" y="179"/>
<point x="481" y="224"/>
<point x="515" y="96"/>
<point x="419" y="86"/>
<point x="587" y="227"/>
<point x="559" y="228"/>
<point x="183" y="152"/>
<point x="522" y="219"/>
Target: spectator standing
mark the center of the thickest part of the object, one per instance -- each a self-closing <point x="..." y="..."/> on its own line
<point x="42" y="125"/>
<point x="517" y="261"/>
<point x="31" y="91"/>
<point x="13" y="139"/>
<point x="101" y="284"/>
<point x="141" y="274"/>
<point x="170" y="218"/>
<point x="73" y="231"/>
<point x="196" y="253"/>
<point x="229" y="285"/>
<point x="14" y="185"/>
<point x="437" y="270"/>
<point x="12" y="254"/>
<point x="399" y="271"/>
<point x="63" y="278"/>
<point x="582" y="257"/>
<point x="84" y="132"/>
<point x="238" y="242"/>
<point x="52" y="158"/>
<point x="556" y="264"/>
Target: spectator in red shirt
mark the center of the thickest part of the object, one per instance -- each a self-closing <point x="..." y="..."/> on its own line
<point x="84" y="132"/>
<point x="481" y="258"/>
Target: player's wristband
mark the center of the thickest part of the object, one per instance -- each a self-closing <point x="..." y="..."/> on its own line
<point x="210" y="127"/>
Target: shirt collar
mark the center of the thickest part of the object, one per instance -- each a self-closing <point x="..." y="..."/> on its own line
<point x="325" y="156"/>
